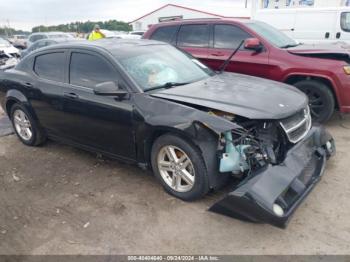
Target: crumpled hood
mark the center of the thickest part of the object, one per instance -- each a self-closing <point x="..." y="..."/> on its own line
<point x="313" y="49"/>
<point x="9" y="49"/>
<point x="243" y="95"/>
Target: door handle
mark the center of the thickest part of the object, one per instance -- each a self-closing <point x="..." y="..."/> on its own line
<point x="218" y="54"/>
<point x="337" y="35"/>
<point x="326" y="35"/>
<point x="70" y="95"/>
<point x="28" y="85"/>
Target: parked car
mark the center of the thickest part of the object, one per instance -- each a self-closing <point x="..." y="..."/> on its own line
<point x="320" y="71"/>
<point x="43" y="43"/>
<point x="19" y="41"/>
<point x="324" y="25"/>
<point x="46" y="35"/>
<point x="139" y="33"/>
<point x="8" y="55"/>
<point x="148" y="103"/>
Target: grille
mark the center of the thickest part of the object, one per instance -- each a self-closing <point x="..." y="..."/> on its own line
<point x="297" y="125"/>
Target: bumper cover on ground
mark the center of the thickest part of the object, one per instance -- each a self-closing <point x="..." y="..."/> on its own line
<point x="286" y="184"/>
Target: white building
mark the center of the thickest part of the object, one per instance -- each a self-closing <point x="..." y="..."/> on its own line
<point x="301" y="3"/>
<point x="174" y="12"/>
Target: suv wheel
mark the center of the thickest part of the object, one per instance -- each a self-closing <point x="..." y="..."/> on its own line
<point x="321" y="100"/>
<point x="180" y="167"/>
<point x="26" y="127"/>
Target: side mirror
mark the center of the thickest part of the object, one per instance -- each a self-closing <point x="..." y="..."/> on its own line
<point x="253" y="44"/>
<point x="109" y="88"/>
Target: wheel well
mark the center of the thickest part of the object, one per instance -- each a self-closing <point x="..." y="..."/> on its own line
<point x="157" y="133"/>
<point x="9" y="105"/>
<point x="296" y="78"/>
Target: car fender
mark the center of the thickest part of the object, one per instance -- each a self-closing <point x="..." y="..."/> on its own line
<point x="334" y="85"/>
<point x="16" y="96"/>
<point x="198" y="127"/>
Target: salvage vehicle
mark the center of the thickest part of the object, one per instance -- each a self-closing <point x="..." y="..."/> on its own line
<point x="147" y="103"/>
<point x="321" y="71"/>
<point x="8" y="55"/>
<point x="43" y="43"/>
<point x="19" y="41"/>
<point x="32" y="38"/>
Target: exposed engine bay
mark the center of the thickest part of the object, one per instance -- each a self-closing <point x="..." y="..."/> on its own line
<point x="274" y="170"/>
<point x="258" y="143"/>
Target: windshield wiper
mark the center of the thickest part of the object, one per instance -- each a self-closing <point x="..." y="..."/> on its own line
<point x="227" y="61"/>
<point x="167" y="85"/>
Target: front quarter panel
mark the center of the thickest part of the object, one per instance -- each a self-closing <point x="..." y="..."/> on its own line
<point x="155" y="116"/>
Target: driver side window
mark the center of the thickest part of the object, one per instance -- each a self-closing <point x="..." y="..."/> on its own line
<point x="229" y="36"/>
<point x="89" y="70"/>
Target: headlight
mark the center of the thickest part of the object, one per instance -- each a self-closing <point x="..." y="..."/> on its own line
<point x="347" y="69"/>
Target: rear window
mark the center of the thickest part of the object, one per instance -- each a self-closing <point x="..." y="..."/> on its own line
<point x="164" y="34"/>
<point x="193" y="35"/>
<point x="50" y="66"/>
<point x="228" y="36"/>
<point x="35" y="38"/>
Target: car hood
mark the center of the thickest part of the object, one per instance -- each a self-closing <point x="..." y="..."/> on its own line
<point x="9" y="49"/>
<point x="338" y="50"/>
<point x="243" y="95"/>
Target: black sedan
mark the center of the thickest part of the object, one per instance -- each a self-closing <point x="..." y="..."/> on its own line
<point x="148" y="103"/>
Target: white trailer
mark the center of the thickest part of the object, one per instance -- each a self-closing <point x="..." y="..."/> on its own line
<point x="309" y="25"/>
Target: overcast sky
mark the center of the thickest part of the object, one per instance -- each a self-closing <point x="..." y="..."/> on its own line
<point x="25" y="14"/>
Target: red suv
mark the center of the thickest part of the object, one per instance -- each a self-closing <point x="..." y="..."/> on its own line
<point x="321" y="71"/>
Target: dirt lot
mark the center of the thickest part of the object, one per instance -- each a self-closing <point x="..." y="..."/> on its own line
<point x="59" y="200"/>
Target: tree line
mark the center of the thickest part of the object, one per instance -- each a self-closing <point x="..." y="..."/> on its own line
<point x="81" y="27"/>
<point x="85" y="27"/>
<point x="11" y="31"/>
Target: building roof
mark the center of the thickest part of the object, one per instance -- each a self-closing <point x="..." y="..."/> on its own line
<point x="178" y="6"/>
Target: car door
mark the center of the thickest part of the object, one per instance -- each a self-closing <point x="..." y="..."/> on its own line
<point x="45" y="88"/>
<point x="100" y="122"/>
<point x="226" y="38"/>
<point x="194" y="39"/>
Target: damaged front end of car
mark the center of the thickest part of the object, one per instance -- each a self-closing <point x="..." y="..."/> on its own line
<point x="7" y="61"/>
<point x="278" y="163"/>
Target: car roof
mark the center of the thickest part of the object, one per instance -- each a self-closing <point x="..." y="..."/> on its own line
<point x="58" y="40"/>
<point x="204" y="20"/>
<point x="49" y="33"/>
<point x="112" y="45"/>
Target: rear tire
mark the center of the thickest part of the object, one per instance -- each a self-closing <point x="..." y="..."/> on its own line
<point x="321" y="99"/>
<point x="186" y="165"/>
<point x="26" y="128"/>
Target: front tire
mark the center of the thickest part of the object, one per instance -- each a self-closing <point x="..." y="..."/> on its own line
<point x="180" y="167"/>
<point x="321" y="99"/>
<point x="26" y="127"/>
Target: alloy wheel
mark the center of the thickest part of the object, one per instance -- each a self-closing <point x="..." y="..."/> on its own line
<point x="316" y="102"/>
<point x="176" y="168"/>
<point x="22" y="125"/>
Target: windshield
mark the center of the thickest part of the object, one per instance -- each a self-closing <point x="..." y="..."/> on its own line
<point x="155" y="66"/>
<point x="271" y="34"/>
<point x="345" y="21"/>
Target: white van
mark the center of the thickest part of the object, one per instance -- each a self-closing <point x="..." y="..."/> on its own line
<point x="310" y="25"/>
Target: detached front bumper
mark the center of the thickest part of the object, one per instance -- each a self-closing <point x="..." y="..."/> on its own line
<point x="273" y="194"/>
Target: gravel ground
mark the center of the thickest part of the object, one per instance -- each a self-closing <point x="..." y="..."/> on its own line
<point x="56" y="199"/>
